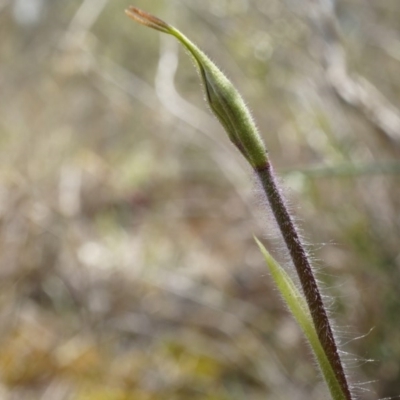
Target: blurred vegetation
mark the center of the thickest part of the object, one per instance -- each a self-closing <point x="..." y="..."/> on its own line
<point x="128" y="266"/>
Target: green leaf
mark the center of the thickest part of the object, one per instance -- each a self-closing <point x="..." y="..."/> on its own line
<point x="299" y="309"/>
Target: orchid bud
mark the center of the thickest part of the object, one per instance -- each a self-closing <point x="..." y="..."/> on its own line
<point x="223" y="98"/>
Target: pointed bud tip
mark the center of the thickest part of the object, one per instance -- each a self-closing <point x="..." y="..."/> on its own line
<point x="144" y="18"/>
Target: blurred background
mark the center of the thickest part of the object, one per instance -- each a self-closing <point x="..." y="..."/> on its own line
<point x="128" y="268"/>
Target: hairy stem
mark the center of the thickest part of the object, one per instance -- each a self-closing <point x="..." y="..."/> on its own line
<point x="304" y="270"/>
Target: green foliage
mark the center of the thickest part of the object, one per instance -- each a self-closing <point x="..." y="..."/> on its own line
<point x="299" y="308"/>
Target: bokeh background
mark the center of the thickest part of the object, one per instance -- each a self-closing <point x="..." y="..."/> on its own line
<point x="128" y="268"/>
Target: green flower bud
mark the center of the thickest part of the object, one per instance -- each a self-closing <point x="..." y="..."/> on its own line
<point x="223" y="98"/>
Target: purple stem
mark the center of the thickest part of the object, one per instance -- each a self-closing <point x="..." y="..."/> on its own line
<point x="306" y="276"/>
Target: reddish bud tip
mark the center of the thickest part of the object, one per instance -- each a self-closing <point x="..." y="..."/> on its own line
<point x="147" y="19"/>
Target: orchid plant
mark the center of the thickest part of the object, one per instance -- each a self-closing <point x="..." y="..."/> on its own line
<point x="305" y="303"/>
